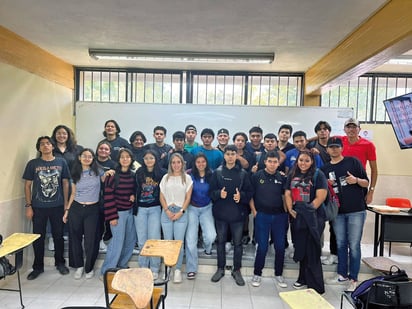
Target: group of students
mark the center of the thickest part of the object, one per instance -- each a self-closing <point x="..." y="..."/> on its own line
<point x="130" y="192"/>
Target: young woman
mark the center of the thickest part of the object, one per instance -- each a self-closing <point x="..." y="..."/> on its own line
<point x="137" y="145"/>
<point x="199" y="212"/>
<point x="303" y="198"/>
<point x="119" y="197"/>
<point x="175" y="193"/>
<point x="103" y="152"/>
<point x="66" y="144"/>
<point x="147" y="220"/>
<point x="82" y="212"/>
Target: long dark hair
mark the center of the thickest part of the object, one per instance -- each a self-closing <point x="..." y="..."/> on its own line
<point x="296" y="170"/>
<point x="195" y="171"/>
<point x="77" y="170"/>
<point x="71" y="139"/>
<point x="118" y="169"/>
<point x="142" y="171"/>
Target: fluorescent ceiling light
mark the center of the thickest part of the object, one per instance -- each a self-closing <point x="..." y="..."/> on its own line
<point x="401" y="60"/>
<point x="181" y="56"/>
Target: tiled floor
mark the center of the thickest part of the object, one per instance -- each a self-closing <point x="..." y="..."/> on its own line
<point x="51" y="290"/>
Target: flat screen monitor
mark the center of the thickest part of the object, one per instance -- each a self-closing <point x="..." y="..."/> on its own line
<point x="399" y="110"/>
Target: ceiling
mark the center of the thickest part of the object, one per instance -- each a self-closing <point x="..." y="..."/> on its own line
<point x="298" y="32"/>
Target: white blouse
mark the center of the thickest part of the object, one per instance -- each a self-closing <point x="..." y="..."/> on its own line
<point x="174" y="190"/>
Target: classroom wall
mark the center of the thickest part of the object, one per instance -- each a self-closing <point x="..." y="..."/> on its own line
<point x="30" y="106"/>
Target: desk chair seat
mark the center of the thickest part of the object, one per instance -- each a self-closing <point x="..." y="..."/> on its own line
<point x="398" y="202"/>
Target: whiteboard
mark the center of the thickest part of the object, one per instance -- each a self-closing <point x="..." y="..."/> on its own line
<point x="91" y="116"/>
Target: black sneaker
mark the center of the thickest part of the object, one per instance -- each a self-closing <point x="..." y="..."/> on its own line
<point x="34" y="274"/>
<point x="63" y="270"/>
<point x="238" y="277"/>
<point x="218" y="275"/>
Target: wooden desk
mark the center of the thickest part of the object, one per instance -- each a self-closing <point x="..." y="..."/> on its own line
<point x="303" y="299"/>
<point x="167" y="249"/>
<point x="390" y="226"/>
<point x="14" y="244"/>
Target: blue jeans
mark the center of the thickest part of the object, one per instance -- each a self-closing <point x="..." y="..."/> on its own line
<point x="348" y="229"/>
<point x="204" y="217"/>
<point x="175" y="230"/>
<point x="275" y="226"/>
<point x="147" y="224"/>
<point x="120" y="248"/>
<point x="236" y="228"/>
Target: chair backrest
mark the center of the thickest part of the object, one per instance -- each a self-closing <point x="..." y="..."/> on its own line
<point x="390" y="294"/>
<point x="135" y="282"/>
<point x="398" y="202"/>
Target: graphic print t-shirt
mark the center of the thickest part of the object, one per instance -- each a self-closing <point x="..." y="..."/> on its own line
<point x="47" y="176"/>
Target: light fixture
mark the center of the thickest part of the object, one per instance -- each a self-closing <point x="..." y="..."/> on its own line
<point x="181" y="56"/>
<point x="401" y="60"/>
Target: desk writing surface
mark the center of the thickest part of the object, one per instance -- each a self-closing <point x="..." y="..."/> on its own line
<point x="167" y="249"/>
<point x="17" y="241"/>
<point x="383" y="264"/>
<point x="388" y="210"/>
<point x="305" y="299"/>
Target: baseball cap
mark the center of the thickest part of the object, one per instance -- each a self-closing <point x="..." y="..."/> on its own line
<point x="190" y="127"/>
<point x="352" y="121"/>
<point x="334" y="141"/>
<point x="223" y="131"/>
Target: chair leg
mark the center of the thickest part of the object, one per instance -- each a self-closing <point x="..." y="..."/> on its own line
<point x="390" y="248"/>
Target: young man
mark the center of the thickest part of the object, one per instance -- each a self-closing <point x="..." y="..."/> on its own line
<point x="356" y="146"/>
<point x="349" y="179"/>
<point x="179" y="141"/>
<point x="46" y="188"/>
<point x="190" y="133"/>
<point x="222" y="139"/>
<point x="284" y="134"/>
<point x="230" y="191"/>
<point x="300" y="141"/>
<point x="255" y="145"/>
<point x="160" y="147"/>
<point x="214" y="156"/>
<point x="271" y="217"/>
<point x="269" y="144"/>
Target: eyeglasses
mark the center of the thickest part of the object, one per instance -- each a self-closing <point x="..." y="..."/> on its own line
<point x="86" y="157"/>
<point x="352" y="126"/>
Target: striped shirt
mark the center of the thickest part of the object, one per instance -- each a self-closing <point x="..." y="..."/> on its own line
<point x="118" y="199"/>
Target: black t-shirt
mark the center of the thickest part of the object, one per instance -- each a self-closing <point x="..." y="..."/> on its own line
<point x="351" y="197"/>
<point x="268" y="191"/>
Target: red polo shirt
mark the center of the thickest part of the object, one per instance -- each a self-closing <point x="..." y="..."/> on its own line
<point x="362" y="149"/>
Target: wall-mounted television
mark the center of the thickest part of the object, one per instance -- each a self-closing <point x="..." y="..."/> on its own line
<point x="399" y="110"/>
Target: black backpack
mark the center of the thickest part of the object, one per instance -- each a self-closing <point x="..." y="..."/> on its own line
<point x="6" y="268"/>
<point x="360" y="294"/>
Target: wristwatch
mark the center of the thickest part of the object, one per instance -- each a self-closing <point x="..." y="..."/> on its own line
<point x="372" y="189"/>
<point x="27" y="205"/>
<point x="182" y="210"/>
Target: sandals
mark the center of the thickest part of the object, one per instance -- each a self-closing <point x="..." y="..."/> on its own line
<point x="191" y="275"/>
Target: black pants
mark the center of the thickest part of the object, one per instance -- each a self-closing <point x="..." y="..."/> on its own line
<point x="40" y="217"/>
<point x="333" y="247"/>
<point x="236" y="228"/>
<point x="83" y="221"/>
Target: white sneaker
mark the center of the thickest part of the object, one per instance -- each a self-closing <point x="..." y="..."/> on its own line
<point x="78" y="273"/>
<point x="352" y="285"/>
<point x="90" y="274"/>
<point x="102" y="246"/>
<point x="178" y="276"/>
<point x="337" y="280"/>
<point x="331" y="259"/>
<point x="256" y="280"/>
<point x="51" y="244"/>
<point x="281" y="281"/>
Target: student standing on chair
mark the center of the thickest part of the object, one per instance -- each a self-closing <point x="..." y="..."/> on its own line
<point x="82" y="213"/>
<point x="46" y="189"/>
<point x="119" y="197"/>
<point x="271" y="217"/>
<point x="231" y="191"/>
<point x="175" y="193"/>
<point x="350" y="181"/>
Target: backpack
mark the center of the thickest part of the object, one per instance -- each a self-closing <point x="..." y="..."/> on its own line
<point x="6" y="268"/>
<point x="360" y="294"/>
<point x="331" y="204"/>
